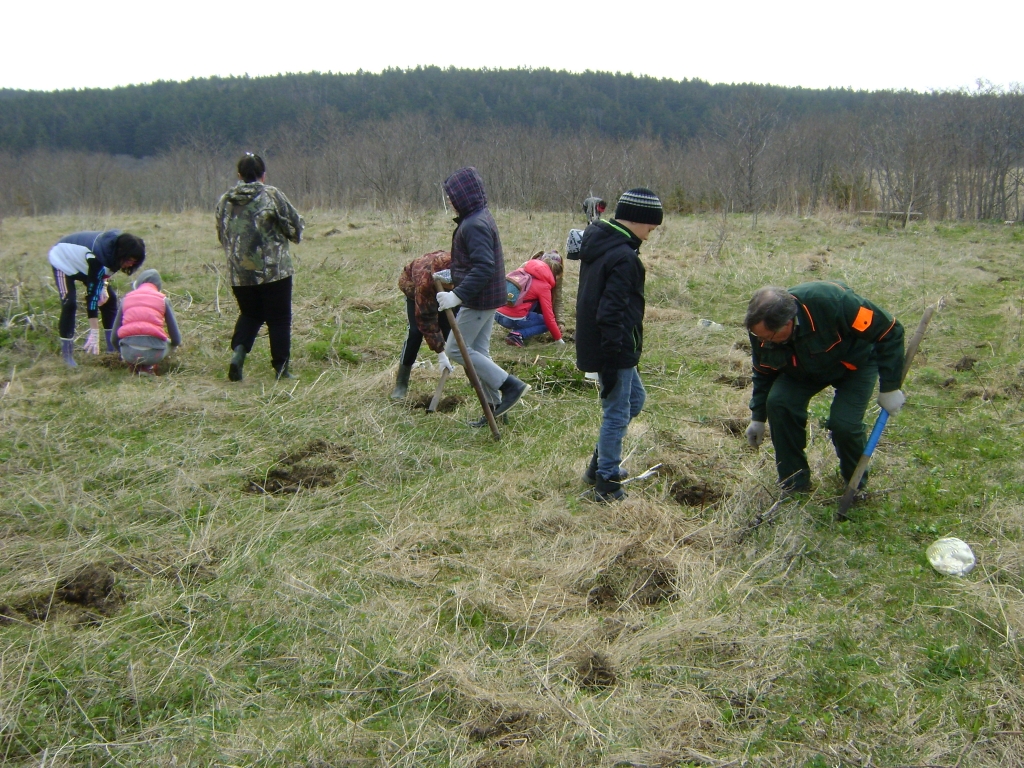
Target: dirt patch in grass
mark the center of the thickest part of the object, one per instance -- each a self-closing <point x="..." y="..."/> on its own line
<point x="694" y="493"/>
<point x="113" y="362"/>
<point x="87" y="597"/>
<point x="502" y="724"/>
<point x="314" y="466"/>
<point x="634" y="575"/>
<point x="595" y="670"/>
<point x="736" y="381"/>
<point x="735" y="427"/>
<point x="445" y="404"/>
<point x="965" y="363"/>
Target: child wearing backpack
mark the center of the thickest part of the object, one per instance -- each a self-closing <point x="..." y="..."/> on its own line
<point x="140" y="324"/>
<point x="535" y="308"/>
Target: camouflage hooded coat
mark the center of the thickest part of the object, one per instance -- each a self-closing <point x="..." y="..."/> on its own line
<point x="254" y="224"/>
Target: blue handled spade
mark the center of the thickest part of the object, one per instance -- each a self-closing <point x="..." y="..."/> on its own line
<point x="876" y="433"/>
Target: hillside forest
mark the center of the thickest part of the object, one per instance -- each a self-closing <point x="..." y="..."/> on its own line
<point x="543" y="140"/>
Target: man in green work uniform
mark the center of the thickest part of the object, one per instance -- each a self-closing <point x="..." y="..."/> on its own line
<point x="803" y="340"/>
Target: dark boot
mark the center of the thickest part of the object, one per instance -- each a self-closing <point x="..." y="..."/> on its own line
<point x="482" y="421"/>
<point x="282" y="371"/>
<point x="67" y="352"/>
<point x="590" y="476"/>
<point x="401" y="382"/>
<point x="608" y="490"/>
<point x="110" y="344"/>
<point x="237" y="361"/>
<point x="511" y="391"/>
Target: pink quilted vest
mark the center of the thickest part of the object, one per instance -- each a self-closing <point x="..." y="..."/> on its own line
<point x="142" y="313"/>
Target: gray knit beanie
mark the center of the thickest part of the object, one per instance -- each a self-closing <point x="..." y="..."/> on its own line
<point x="148" y="276"/>
<point x="640" y="205"/>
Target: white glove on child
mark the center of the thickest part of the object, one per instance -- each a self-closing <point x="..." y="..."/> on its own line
<point x="444" y="363"/>
<point x="104" y="295"/>
<point x="560" y="341"/>
<point x="892" y="401"/>
<point x="92" y="342"/>
<point x="448" y="300"/>
<point x="755" y="434"/>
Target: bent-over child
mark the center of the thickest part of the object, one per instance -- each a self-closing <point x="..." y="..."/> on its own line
<point x="538" y="307"/>
<point x="425" y="321"/>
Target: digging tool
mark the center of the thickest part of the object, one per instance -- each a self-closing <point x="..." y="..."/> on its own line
<point x="876" y="433"/>
<point x="467" y="363"/>
<point x="445" y="372"/>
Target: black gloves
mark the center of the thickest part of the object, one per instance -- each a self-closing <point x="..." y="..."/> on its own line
<point x="609" y="378"/>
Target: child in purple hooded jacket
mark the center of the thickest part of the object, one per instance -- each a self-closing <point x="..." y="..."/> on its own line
<point x="478" y="274"/>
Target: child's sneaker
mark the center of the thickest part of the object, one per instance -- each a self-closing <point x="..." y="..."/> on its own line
<point x="515" y="339"/>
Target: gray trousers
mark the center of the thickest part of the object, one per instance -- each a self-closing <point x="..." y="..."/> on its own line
<point x="476" y="325"/>
<point x="151" y="354"/>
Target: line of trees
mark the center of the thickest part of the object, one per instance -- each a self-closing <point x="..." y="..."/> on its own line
<point x="944" y="155"/>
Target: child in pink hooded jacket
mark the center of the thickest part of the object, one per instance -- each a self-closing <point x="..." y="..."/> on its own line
<point x="539" y="307"/>
<point x="145" y="323"/>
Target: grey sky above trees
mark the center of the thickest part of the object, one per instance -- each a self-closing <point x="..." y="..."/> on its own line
<point x="870" y="45"/>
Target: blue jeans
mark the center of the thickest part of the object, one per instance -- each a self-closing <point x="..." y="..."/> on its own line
<point x="532" y="324"/>
<point x="622" y="405"/>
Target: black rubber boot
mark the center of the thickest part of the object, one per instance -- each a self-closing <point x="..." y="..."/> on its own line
<point x="282" y="371"/>
<point x="401" y="382"/>
<point x="110" y="343"/>
<point x="67" y="352"/>
<point x="237" y="361"/>
<point x="608" y="490"/>
<point x="590" y="476"/>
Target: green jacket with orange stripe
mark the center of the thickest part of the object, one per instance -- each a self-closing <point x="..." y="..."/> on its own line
<point x="836" y="331"/>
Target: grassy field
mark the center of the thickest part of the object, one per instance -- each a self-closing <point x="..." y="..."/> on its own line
<point x="195" y="572"/>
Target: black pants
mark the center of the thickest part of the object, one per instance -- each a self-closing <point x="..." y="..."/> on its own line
<point x="269" y="303"/>
<point x="69" y="302"/>
<point x="414" y="340"/>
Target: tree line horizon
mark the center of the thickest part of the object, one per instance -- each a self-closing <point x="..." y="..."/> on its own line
<point x="543" y="140"/>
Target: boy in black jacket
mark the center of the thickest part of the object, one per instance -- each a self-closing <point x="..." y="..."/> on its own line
<point x="610" y="326"/>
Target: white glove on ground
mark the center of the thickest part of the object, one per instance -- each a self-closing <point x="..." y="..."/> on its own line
<point x="755" y="434"/>
<point x="448" y="300"/>
<point x="92" y="342"/>
<point x="892" y="401"/>
<point x="443" y="362"/>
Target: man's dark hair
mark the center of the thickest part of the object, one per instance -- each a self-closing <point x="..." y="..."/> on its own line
<point x="772" y="306"/>
<point x="129" y="247"/>
<point x="251" y="167"/>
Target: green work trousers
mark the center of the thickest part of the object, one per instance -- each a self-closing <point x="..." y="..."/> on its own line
<point x="787" y="418"/>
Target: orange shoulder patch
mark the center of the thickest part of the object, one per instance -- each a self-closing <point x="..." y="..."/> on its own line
<point x="863" y="319"/>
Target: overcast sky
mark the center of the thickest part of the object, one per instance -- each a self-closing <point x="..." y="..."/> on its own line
<point x="871" y="44"/>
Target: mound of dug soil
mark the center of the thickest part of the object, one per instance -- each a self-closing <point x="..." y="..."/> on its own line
<point x="594" y="670"/>
<point x="88" y="596"/>
<point x="444" y="405"/>
<point x="634" y="575"/>
<point x="314" y="466"/>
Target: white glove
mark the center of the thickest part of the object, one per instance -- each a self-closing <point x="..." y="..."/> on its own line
<point x="92" y="342"/>
<point x="443" y="362"/>
<point x="560" y="341"/>
<point x="755" y="434"/>
<point x="448" y="300"/>
<point x="892" y="401"/>
<point x="104" y="295"/>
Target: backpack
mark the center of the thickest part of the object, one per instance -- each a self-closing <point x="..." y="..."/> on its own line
<point x="517" y="283"/>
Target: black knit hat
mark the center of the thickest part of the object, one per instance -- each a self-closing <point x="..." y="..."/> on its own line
<point x="640" y="205"/>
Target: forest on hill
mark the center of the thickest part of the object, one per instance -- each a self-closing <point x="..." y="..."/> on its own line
<point x="542" y="139"/>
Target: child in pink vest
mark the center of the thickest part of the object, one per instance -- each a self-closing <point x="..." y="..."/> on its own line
<point x="144" y="324"/>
